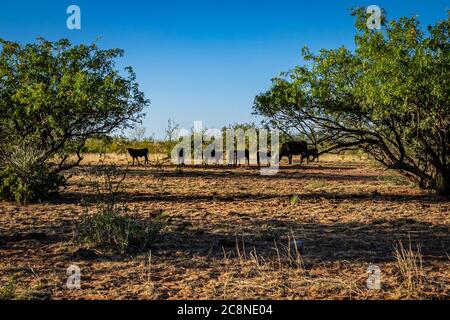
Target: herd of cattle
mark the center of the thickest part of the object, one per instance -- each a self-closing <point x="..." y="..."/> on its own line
<point x="288" y="149"/>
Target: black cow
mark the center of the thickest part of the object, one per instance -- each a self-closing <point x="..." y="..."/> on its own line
<point x="294" y="148"/>
<point x="314" y="153"/>
<point x="136" y="153"/>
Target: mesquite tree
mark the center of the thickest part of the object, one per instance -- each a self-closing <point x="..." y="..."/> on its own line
<point x="54" y="96"/>
<point x="388" y="97"/>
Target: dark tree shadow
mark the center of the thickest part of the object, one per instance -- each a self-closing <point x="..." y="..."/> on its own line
<point x="125" y="197"/>
<point x="369" y="242"/>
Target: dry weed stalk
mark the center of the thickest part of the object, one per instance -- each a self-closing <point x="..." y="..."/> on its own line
<point x="287" y="257"/>
<point x="149" y="284"/>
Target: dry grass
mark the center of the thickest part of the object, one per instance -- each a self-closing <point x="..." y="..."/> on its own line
<point x="410" y="266"/>
<point x="232" y="233"/>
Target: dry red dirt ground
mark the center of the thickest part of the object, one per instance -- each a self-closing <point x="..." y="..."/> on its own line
<point x="227" y="232"/>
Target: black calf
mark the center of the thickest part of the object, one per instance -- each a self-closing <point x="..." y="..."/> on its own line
<point x="314" y="153"/>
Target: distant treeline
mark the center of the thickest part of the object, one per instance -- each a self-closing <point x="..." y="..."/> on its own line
<point x="119" y="145"/>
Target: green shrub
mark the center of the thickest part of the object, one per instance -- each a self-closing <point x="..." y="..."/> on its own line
<point x="25" y="176"/>
<point x="9" y="291"/>
<point x="294" y="199"/>
<point x="112" y="227"/>
<point x="39" y="184"/>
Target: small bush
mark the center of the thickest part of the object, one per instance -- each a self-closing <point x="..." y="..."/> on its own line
<point x="41" y="184"/>
<point x="111" y="227"/>
<point x="25" y="176"/>
<point x="9" y="291"/>
<point x="294" y="200"/>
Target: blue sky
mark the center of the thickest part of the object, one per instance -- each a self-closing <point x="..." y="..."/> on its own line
<point x="203" y="60"/>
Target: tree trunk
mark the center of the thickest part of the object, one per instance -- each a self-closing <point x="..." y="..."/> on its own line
<point x="442" y="183"/>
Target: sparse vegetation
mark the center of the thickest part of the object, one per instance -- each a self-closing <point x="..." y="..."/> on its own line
<point x="410" y="268"/>
<point x="268" y="233"/>
<point x="294" y="200"/>
<point x="9" y="291"/>
<point x="115" y="228"/>
<point x="317" y="184"/>
<point x="396" y="180"/>
<point x="342" y="230"/>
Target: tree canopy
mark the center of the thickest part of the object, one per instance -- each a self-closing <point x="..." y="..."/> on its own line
<point x="388" y="97"/>
<point x="55" y="95"/>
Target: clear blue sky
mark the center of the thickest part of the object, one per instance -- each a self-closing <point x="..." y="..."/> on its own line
<point x="203" y="60"/>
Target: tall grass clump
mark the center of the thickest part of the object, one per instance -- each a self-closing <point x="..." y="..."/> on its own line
<point x="113" y="227"/>
<point x="409" y="264"/>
